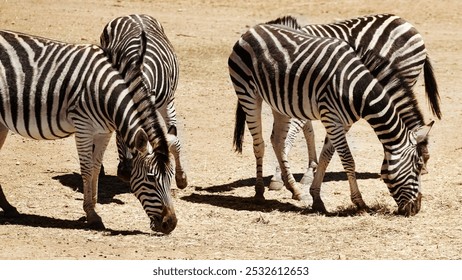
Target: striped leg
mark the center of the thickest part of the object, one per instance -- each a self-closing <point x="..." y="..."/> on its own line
<point x="295" y="126"/>
<point x="312" y="156"/>
<point x="8" y="209"/>
<point x="336" y="138"/>
<point x="315" y="189"/>
<point x="281" y="127"/>
<point x="253" y="112"/>
<point x="276" y="181"/>
<point x="124" y="168"/>
<point x="169" y="115"/>
<point x="91" y="150"/>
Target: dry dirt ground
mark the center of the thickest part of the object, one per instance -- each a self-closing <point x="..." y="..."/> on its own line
<point x="218" y="218"/>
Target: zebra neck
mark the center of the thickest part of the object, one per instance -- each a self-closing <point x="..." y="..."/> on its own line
<point x="382" y="114"/>
<point x="134" y="110"/>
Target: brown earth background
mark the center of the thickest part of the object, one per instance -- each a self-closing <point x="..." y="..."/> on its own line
<point x="218" y="218"/>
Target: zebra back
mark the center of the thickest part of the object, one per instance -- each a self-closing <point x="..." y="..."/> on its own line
<point x="391" y="37"/>
<point x="387" y="36"/>
<point x="137" y="44"/>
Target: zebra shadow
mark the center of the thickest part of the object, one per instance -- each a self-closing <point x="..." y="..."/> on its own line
<point x="109" y="186"/>
<point x="240" y="203"/>
<point x="33" y="220"/>
<point x="215" y="195"/>
<point x="329" y="177"/>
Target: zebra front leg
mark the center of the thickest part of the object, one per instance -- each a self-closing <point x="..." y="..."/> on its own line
<point x="8" y="210"/>
<point x="168" y="113"/>
<point x="124" y="168"/>
<point x="315" y="189"/>
<point x="312" y="157"/>
<point x="91" y="149"/>
<point x="338" y="138"/>
<point x="281" y="127"/>
<point x="175" y="148"/>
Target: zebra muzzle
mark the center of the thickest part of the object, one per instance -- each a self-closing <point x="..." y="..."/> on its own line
<point x="164" y="223"/>
<point x="412" y="207"/>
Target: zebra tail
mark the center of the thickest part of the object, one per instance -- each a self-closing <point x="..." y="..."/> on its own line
<point x="431" y="88"/>
<point x="239" y="128"/>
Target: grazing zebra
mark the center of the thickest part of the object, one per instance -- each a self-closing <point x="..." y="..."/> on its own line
<point x="306" y="77"/>
<point x="138" y="47"/>
<point x="51" y="90"/>
<point x="384" y="35"/>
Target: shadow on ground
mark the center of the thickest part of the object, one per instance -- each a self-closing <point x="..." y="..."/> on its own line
<point x="109" y="186"/>
<point x="329" y="177"/>
<point x="217" y="196"/>
<point x="32" y="220"/>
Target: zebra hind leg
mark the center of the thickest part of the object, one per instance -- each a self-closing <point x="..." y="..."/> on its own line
<point x="8" y="210"/>
<point x="281" y="127"/>
<point x="308" y="132"/>
<point x="295" y="126"/>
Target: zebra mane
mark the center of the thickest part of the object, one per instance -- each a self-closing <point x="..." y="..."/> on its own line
<point x="138" y="68"/>
<point x="149" y="118"/>
<point x="144" y="100"/>
<point x="288" y="21"/>
<point x="131" y="66"/>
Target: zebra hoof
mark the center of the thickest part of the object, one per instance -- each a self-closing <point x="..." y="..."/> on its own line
<point x="94" y="222"/>
<point x="96" y="225"/>
<point x="259" y="198"/>
<point x="102" y="172"/>
<point x="364" y="212"/>
<point x="319" y="207"/>
<point x="11" y="213"/>
<point x="181" y="180"/>
<point x="275" y="185"/>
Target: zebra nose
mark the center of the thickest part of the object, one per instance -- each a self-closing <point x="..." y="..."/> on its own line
<point x="412" y="207"/>
<point x="168" y="224"/>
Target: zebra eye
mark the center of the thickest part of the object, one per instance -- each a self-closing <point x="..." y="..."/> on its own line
<point x="421" y="165"/>
<point x="150" y="176"/>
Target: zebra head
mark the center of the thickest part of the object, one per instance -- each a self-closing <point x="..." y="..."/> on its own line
<point x="150" y="180"/>
<point x="401" y="171"/>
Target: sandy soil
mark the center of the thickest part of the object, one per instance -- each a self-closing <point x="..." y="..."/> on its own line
<point x="218" y="219"/>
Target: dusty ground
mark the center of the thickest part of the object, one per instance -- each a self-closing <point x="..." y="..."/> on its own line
<point x="217" y="216"/>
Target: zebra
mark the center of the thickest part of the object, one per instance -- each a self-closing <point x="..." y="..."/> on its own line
<point x="51" y="90"/>
<point x="318" y="78"/>
<point x="138" y="47"/>
<point x="384" y="35"/>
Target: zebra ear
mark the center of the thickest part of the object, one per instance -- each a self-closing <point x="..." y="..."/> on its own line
<point x="422" y="132"/>
<point x="141" y="140"/>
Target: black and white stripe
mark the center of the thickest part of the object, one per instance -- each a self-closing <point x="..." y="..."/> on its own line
<point x="50" y="90"/>
<point x="306" y="77"/>
<point x="138" y="47"/>
<point x="382" y="35"/>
